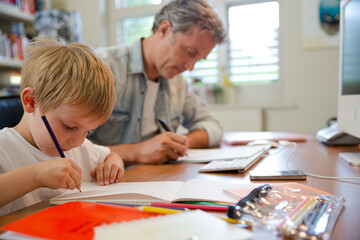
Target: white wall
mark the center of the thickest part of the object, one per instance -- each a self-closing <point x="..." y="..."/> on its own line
<point x="91" y="18"/>
<point x="309" y="77"/>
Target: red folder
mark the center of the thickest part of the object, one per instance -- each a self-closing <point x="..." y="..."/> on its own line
<point x="73" y="220"/>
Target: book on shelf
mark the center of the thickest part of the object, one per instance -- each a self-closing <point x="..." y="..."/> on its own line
<point x="144" y="193"/>
<point x="12" y="45"/>
<point x="26" y="6"/>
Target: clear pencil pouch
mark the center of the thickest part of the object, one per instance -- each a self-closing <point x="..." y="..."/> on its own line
<point x="291" y="210"/>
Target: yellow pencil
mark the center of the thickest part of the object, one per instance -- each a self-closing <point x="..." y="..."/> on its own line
<point x="151" y="209"/>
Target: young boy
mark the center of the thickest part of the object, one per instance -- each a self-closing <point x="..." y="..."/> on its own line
<point x="74" y="89"/>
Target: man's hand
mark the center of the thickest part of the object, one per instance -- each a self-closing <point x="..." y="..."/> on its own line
<point x="162" y="148"/>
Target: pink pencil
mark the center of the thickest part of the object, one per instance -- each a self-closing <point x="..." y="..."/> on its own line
<point x="191" y="206"/>
<point x="293" y="212"/>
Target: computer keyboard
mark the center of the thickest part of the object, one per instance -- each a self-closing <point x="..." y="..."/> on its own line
<point x="239" y="164"/>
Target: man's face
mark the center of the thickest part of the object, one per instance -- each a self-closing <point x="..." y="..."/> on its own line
<point x="69" y="123"/>
<point x="179" y="52"/>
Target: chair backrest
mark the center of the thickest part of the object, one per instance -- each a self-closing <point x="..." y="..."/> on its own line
<point x="11" y="111"/>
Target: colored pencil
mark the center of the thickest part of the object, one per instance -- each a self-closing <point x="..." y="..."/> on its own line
<point x="54" y="139"/>
<point x="191" y="206"/>
<point x="288" y="217"/>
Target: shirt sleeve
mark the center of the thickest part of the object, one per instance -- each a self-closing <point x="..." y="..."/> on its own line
<point x="97" y="153"/>
<point x="198" y="116"/>
<point x="88" y="156"/>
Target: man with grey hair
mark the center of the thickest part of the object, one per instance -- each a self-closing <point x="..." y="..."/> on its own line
<point x="149" y="87"/>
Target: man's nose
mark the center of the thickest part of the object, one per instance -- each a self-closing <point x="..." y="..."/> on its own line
<point x="189" y="65"/>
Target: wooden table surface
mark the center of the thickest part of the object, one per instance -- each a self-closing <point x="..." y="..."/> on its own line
<point x="311" y="156"/>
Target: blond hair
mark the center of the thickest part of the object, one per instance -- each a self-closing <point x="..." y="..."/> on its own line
<point x="68" y="74"/>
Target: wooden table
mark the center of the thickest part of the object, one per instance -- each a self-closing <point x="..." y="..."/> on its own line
<point x="310" y="156"/>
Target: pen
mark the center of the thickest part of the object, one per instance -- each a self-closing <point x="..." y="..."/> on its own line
<point x="164" y="125"/>
<point x="318" y="215"/>
<point x="191" y="206"/>
<point x="137" y="205"/>
<point x="205" y="203"/>
<point x="53" y="137"/>
<point x="300" y="215"/>
<point x="167" y="128"/>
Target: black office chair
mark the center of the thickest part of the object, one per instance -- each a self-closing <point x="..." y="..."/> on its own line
<point x="11" y="111"/>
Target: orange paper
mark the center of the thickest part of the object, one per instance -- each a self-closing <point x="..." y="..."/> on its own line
<point x="73" y="220"/>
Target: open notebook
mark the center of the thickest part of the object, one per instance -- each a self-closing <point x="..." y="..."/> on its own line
<point x="144" y="193"/>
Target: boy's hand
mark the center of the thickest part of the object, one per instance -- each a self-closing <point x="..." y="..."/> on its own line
<point x="59" y="173"/>
<point x="110" y="171"/>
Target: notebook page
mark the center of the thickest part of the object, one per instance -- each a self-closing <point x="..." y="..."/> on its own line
<point x="187" y="225"/>
<point x="205" y="190"/>
<point x="165" y="190"/>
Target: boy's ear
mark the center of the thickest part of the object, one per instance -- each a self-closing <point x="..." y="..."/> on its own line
<point x="164" y="28"/>
<point x="28" y="100"/>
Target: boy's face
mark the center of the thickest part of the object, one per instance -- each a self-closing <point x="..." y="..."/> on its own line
<point x="69" y="123"/>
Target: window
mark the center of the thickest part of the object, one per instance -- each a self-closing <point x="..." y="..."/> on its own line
<point x="134" y="3"/>
<point x="131" y="19"/>
<point x="128" y="30"/>
<point x="205" y="70"/>
<point x="253" y="55"/>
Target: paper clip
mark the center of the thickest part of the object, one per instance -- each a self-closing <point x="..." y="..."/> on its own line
<point x="237" y="211"/>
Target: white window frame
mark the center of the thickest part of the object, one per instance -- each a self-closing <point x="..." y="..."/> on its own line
<point x="130" y="12"/>
<point x="248" y="94"/>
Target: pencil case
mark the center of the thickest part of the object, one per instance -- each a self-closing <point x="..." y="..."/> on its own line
<point x="289" y="210"/>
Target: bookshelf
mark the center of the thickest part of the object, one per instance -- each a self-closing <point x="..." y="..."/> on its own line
<point x="9" y="13"/>
<point x="9" y="63"/>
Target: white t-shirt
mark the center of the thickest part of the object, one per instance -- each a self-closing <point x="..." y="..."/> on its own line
<point x="16" y="152"/>
<point x="149" y="126"/>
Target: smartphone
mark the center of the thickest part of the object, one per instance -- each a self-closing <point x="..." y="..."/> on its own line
<point x="277" y="175"/>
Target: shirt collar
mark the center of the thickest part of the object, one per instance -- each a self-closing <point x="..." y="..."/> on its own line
<point x="136" y="63"/>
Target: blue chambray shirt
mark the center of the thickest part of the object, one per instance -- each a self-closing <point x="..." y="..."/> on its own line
<point x="174" y="103"/>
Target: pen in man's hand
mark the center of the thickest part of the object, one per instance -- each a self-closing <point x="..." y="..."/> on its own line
<point x="53" y="137"/>
<point x="166" y="127"/>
